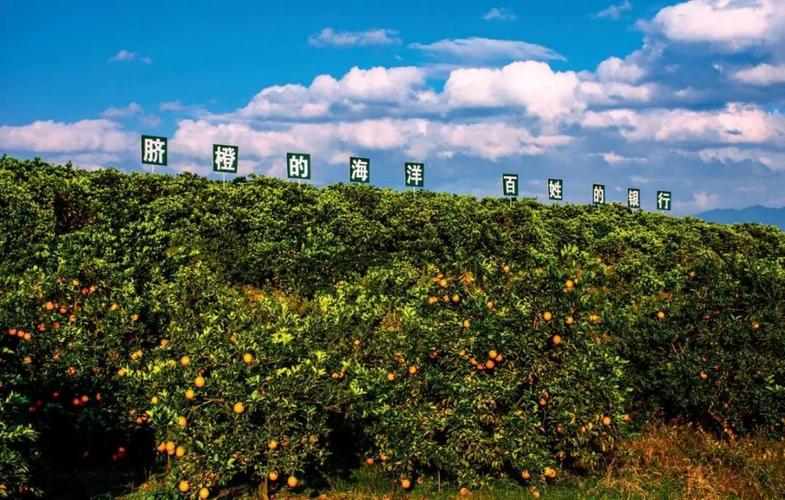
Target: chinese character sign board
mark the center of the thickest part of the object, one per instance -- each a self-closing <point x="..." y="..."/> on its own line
<point x="510" y="184"/>
<point x="598" y="194"/>
<point x="298" y="166"/>
<point x="663" y="200"/>
<point x="359" y="169"/>
<point x="633" y="198"/>
<point x="225" y="158"/>
<point x="555" y="189"/>
<point x="154" y="150"/>
<point x="414" y="174"/>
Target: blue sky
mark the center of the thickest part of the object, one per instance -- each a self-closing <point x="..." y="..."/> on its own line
<point x="682" y="96"/>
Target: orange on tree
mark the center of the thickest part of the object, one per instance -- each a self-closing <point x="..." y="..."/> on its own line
<point x="456" y="298"/>
<point x="247" y="358"/>
<point x="547" y="316"/>
<point x="499" y="358"/>
<point x="170" y="446"/>
<point x="391" y="376"/>
<point x="183" y="486"/>
<point x="357" y="342"/>
<point x="292" y="482"/>
<point x="490" y="364"/>
<point x="443" y="283"/>
<point x="406" y="484"/>
<point x="190" y="394"/>
<point x="492" y="354"/>
<point x="179" y="451"/>
<point x="606" y="420"/>
<point x="525" y="475"/>
<point x="185" y="360"/>
<point x="412" y="370"/>
<point x="569" y="284"/>
<point x="134" y="317"/>
<point x="164" y="342"/>
<point x="49" y="306"/>
<point x="273" y="444"/>
<point x="239" y="408"/>
<point x="204" y="493"/>
<point x="549" y="472"/>
<point x="181" y="421"/>
<point x="161" y="447"/>
<point x="489" y="305"/>
<point x="569" y="320"/>
<point x="272" y="476"/>
<point x="660" y="315"/>
<point x="467" y="323"/>
<point x="556" y="339"/>
<point x="704" y="375"/>
<point x="199" y="381"/>
<point x="506" y="268"/>
<point x="369" y="460"/>
<point x="626" y="418"/>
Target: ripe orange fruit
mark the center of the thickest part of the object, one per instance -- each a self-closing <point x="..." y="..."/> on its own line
<point x="550" y="472"/>
<point x="134" y="317"/>
<point x="75" y="282"/>
<point x="626" y="418"/>
<point x="456" y="298"/>
<point x="569" y="284"/>
<point x="273" y="444"/>
<point x="63" y="310"/>
<point x="357" y="342"/>
<point x="391" y="376"/>
<point x="704" y="375"/>
<point x="525" y="475"/>
<point x="199" y="381"/>
<point x="164" y="342"/>
<point x="490" y="364"/>
<point x="27" y="336"/>
<point x="660" y="315"/>
<point x="239" y="408"/>
<point x="27" y="360"/>
<point x="499" y="358"/>
<point x="179" y="451"/>
<point x="204" y="493"/>
<point x="536" y="493"/>
<point x="433" y="299"/>
<point x="443" y="283"/>
<point x="569" y="321"/>
<point x="464" y="492"/>
<point x="170" y="446"/>
<point x="406" y="484"/>
<point x="292" y="482"/>
<point x="272" y="476"/>
<point x="154" y="400"/>
<point x="161" y="448"/>
<point x="543" y="401"/>
<point x="190" y="394"/>
<point x="183" y="486"/>
<point x="547" y="316"/>
<point x="489" y="305"/>
<point x="556" y="339"/>
<point x="506" y="268"/>
<point x="49" y="306"/>
<point x="692" y="274"/>
<point x="756" y="326"/>
<point x="369" y="460"/>
<point x="185" y="360"/>
<point x="412" y="370"/>
<point x="467" y="323"/>
<point x="181" y="421"/>
<point x="606" y="420"/>
<point x="492" y="354"/>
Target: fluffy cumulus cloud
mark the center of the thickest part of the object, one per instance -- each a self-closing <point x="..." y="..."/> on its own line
<point x="328" y="37"/>
<point x="50" y="136"/>
<point x="733" y="25"/>
<point x="763" y="74"/>
<point x="531" y="85"/>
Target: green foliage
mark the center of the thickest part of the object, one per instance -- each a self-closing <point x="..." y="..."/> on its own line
<point x="440" y="333"/>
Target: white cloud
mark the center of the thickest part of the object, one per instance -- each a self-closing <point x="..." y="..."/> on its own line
<point x="730" y="155"/>
<point x="534" y="85"/>
<point x="114" y="112"/>
<point x="762" y="74"/>
<point x="701" y="201"/>
<point x="614" y="11"/>
<point x="127" y="55"/>
<point x="477" y="49"/>
<point x="619" y="70"/>
<point x="85" y="135"/>
<point x="735" y="124"/>
<point x="354" y="90"/>
<point x="328" y="37"/>
<point x="499" y="14"/>
<point x="613" y="158"/>
<point x="730" y="24"/>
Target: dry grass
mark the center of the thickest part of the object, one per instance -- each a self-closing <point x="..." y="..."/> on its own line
<point x="698" y="464"/>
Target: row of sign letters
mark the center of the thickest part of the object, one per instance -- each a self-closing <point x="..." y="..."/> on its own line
<point x="298" y="166"/>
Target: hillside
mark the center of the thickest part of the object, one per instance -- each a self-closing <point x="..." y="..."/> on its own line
<point x="271" y="334"/>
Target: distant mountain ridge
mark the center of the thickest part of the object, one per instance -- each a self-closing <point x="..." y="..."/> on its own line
<point x="757" y="213"/>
